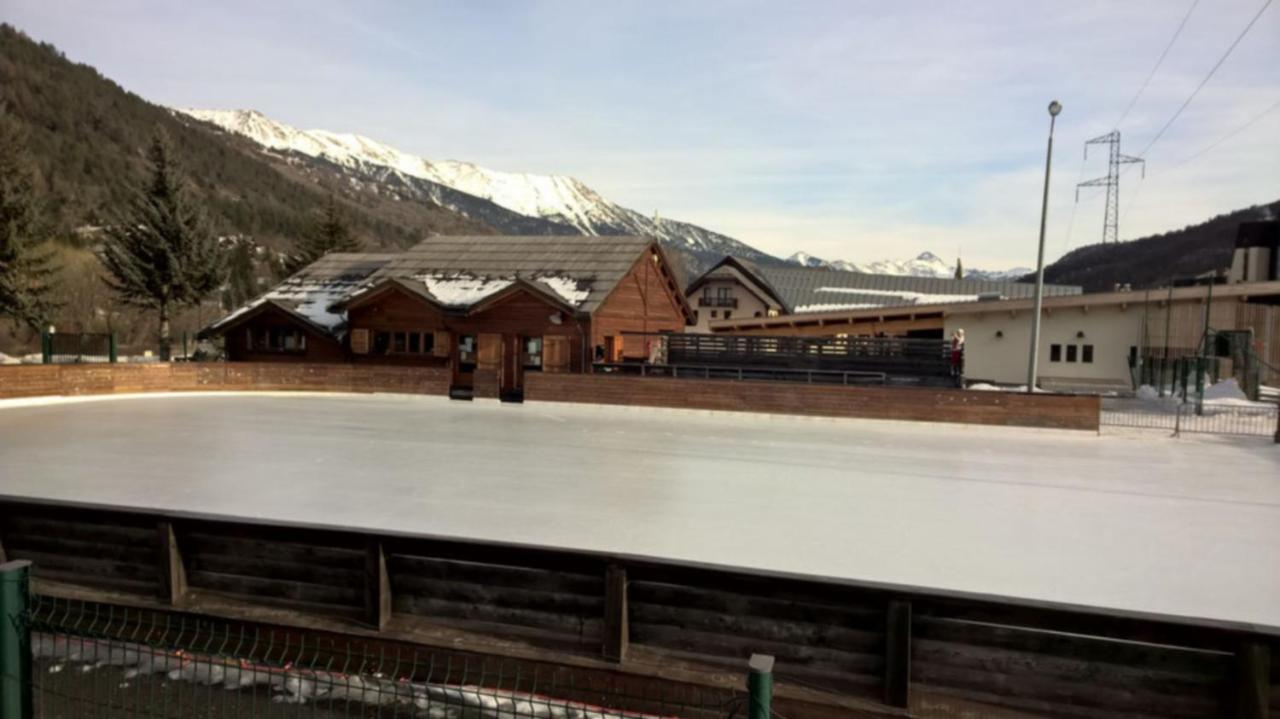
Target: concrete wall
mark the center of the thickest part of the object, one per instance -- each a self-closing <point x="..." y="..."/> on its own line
<point x="997" y="344"/>
<point x="918" y="404"/>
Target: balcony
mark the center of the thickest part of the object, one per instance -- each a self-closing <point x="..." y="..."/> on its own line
<point x="706" y="301"/>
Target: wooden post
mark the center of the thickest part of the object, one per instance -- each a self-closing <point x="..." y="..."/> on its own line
<point x="1253" y="680"/>
<point x="897" y="660"/>
<point x="173" y="573"/>
<point x="616" y="628"/>
<point x="377" y="586"/>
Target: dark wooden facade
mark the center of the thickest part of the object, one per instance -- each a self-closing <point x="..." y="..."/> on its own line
<point x="244" y="341"/>
<point x="490" y="346"/>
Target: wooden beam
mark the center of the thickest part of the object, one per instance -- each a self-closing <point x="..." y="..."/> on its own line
<point x="617" y="633"/>
<point x="173" y="572"/>
<point x="377" y="585"/>
<point x="1253" y="680"/>
<point x="897" y="660"/>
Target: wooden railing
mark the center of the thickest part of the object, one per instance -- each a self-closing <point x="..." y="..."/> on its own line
<point x="834" y="643"/>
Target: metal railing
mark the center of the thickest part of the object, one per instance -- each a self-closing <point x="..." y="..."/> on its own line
<point x="1225" y="418"/>
<point x="65" y="348"/>
<point x="67" y="657"/>
<point x="742" y="373"/>
<point x="705" y="301"/>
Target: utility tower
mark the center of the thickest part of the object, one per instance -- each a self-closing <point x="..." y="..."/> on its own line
<point x="1111" y="221"/>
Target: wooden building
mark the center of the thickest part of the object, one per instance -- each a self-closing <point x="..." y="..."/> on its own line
<point x="490" y="308"/>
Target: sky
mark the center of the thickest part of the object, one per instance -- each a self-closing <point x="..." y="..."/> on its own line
<point x="851" y="129"/>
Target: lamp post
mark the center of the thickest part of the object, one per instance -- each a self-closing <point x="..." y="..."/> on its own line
<point x="1055" y="107"/>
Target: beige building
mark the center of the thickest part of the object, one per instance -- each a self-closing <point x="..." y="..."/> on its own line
<point x="1086" y="341"/>
<point x="729" y="290"/>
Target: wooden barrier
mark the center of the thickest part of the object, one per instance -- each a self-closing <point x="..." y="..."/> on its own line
<point x="902" y="403"/>
<point x="841" y="650"/>
<point x="88" y="379"/>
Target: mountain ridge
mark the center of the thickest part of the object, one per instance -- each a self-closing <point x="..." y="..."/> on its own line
<point x="926" y="264"/>
<point x="559" y="199"/>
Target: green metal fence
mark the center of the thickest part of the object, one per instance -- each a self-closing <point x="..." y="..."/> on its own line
<point x="71" y="658"/>
<point x="77" y="347"/>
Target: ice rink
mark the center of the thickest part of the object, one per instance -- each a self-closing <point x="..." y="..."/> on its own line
<point x="1141" y="524"/>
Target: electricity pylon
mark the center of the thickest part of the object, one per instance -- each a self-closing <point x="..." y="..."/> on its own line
<point x="1111" y="220"/>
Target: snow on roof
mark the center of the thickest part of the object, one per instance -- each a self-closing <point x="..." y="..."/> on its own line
<point x="457" y="289"/>
<point x="567" y="288"/>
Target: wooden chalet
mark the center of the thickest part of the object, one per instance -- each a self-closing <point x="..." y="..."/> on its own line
<point x="489" y="308"/>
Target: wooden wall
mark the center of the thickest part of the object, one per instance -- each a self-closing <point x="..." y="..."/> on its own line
<point x="643" y="301"/>
<point x="67" y="379"/>
<point x="933" y="654"/>
<point x="320" y="347"/>
<point x="901" y="403"/>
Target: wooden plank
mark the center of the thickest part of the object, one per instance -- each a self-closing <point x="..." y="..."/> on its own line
<point x="173" y="571"/>
<point x="617" y="635"/>
<point x="897" y="665"/>
<point x="1253" y="680"/>
<point x="377" y="586"/>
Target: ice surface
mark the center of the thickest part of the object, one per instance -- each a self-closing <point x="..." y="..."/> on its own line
<point x="1186" y="527"/>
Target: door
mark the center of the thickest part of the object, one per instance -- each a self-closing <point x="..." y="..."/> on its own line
<point x="464" y="361"/>
<point x="510" y="385"/>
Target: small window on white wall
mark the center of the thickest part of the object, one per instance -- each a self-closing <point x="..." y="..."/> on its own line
<point x="1071" y="353"/>
<point x="1086" y="354"/>
<point x="1055" y="353"/>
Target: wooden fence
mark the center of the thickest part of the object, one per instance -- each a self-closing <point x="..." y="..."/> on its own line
<point x="841" y="650"/>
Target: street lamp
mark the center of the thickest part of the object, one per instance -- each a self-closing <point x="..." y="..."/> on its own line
<point x="1055" y="107"/>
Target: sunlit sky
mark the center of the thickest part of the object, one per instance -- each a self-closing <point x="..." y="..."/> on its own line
<point x="847" y="129"/>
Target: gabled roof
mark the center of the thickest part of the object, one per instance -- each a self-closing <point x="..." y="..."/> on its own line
<point x="582" y="269"/>
<point x="310" y="293"/>
<point x="740" y="270"/>
<point x="819" y="289"/>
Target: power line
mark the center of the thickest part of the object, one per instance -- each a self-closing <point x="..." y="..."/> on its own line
<point x="1159" y="62"/>
<point x="1227" y="136"/>
<point x="1205" y="81"/>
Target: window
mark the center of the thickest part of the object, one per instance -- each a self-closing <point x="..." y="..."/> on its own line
<point x="381" y="343"/>
<point x="1071" y="353"/>
<point x="1086" y="354"/>
<point x="722" y="293"/>
<point x="428" y="342"/>
<point x="713" y="314"/>
<point x="466" y="353"/>
<point x="276" y="339"/>
<point x="415" y="342"/>
<point x="727" y="314"/>
<point x="399" y="343"/>
<point x="1055" y="353"/>
<point x="531" y="353"/>
<point x="757" y="314"/>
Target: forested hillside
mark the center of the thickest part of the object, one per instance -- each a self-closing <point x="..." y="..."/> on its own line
<point x="86" y="136"/>
<point x="1151" y="261"/>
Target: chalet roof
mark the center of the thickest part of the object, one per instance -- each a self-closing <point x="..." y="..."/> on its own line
<point x="310" y="292"/>
<point x="816" y="289"/>
<point x="580" y="269"/>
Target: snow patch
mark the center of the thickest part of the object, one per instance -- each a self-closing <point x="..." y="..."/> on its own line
<point x="566" y="288"/>
<point x="462" y="290"/>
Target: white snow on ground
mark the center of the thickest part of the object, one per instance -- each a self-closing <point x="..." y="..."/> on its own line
<point x="461" y="290"/>
<point x="6" y="359"/>
<point x="1138" y="524"/>
<point x="988" y="387"/>
<point x="1222" y="396"/>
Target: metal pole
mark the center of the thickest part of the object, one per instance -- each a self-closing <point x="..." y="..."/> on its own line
<point x="760" y="687"/>
<point x="1054" y="108"/>
<point x="15" y="641"/>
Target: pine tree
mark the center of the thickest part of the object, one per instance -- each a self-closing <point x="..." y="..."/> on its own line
<point x="959" y="269"/>
<point x="159" y="254"/>
<point x="330" y="233"/>
<point x="26" y="271"/>
<point x="242" y="275"/>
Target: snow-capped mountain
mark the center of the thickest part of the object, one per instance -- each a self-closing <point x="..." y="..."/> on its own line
<point x="554" y="198"/>
<point x="926" y="264"/>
